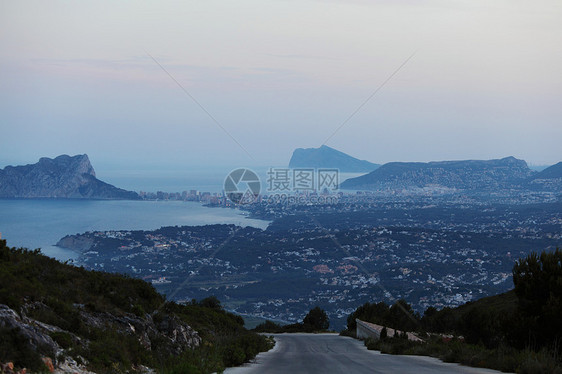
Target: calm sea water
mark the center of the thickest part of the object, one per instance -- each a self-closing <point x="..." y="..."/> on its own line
<point x="203" y="179"/>
<point x="41" y="223"/>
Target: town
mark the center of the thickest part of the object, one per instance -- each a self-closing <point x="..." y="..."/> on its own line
<point x="363" y="248"/>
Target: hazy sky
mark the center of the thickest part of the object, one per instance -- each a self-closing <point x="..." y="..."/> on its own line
<point x="75" y="77"/>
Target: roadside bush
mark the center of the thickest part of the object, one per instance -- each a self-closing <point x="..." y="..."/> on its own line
<point x="503" y="358"/>
<point x="543" y="362"/>
<point x="348" y="333"/>
<point x="268" y="326"/>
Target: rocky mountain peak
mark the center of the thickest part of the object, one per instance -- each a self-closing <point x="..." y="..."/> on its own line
<point x="327" y="157"/>
<point x="62" y="177"/>
<point x="79" y="164"/>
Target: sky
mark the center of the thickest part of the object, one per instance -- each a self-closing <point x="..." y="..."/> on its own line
<point x="160" y="84"/>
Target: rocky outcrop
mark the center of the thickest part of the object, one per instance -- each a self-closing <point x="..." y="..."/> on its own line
<point x="61" y="177"/>
<point x="179" y="335"/>
<point x="483" y="175"/>
<point x="36" y="336"/>
<point x="176" y="334"/>
<point x="79" y="243"/>
<point x="329" y="158"/>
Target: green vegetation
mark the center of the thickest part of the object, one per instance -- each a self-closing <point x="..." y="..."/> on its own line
<point x="92" y="313"/>
<point x="399" y="316"/>
<point x="538" y="286"/>
<point x="14" y="345"/>
<point x="316" y="320"/>
<point x="520" y="330"/>
<point x="504" y="358"/>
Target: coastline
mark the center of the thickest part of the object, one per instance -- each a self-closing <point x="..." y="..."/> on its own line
<point x="41" y="223"/>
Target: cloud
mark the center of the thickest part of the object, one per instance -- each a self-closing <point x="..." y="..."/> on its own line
<point x="304" y="57"/>
<point x="131" y="67"/>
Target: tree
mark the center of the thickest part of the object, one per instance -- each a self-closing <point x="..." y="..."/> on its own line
<point x="384" y="333"/>
<point x="443" y="320"/>
<point x="428" y="319"/>
<point x="317" y="319"/>
<point x="268" y="326"/>
<point x="401" y="316"/>
<point x="538" y="286"/>
<point x="374" y="313"/>
<point x="211" y="302"/>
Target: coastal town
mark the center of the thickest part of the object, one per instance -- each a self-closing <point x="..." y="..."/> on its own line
<point x="338" y="256"/>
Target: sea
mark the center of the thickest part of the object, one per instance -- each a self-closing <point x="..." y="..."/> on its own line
<point x="41" y="223"/>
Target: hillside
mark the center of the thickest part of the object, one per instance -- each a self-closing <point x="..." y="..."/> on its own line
<point x="62" y="177"/>
<point x="516" y="331"/>
<point x="463" y="175"/>
<point x="548" y="179"/>
<point x="82" y="320"/>
<point x="330" y="158"/>
<point x="554" y="171"/>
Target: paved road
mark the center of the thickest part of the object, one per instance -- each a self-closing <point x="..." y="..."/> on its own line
<point x="330" y="353"/>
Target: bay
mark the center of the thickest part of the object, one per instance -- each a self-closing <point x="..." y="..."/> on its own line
<point x="40" y="223"/>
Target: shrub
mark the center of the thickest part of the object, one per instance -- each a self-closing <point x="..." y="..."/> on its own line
<point x="14" y="347"/>
<point x="62" y="338"/>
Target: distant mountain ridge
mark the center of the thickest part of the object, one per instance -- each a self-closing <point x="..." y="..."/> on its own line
<point x="549" y="179"/>
<point x="62" y="177"/>
<point x="465" y="175"/>
<point x="327" y="157"/>
<point x="551" y="172"/>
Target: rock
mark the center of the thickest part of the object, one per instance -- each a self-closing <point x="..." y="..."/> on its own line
<point x="78" y="243"/>
<point x="69" y="365"/>
<point x="177" y="334"/>
<point x="62" y="177"/>
<point x="7" y="367"/>
<point x="49" y="364"/>
<point x="180" y="333"/>
<point x="329" y="158"/>
<point x="38" y="339"/>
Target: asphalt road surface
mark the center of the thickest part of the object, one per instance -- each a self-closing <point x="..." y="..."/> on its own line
<point x="331" y="353"/>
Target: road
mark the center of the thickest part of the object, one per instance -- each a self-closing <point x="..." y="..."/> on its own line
<point x="331" y="353"/>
